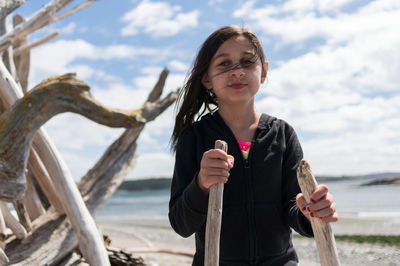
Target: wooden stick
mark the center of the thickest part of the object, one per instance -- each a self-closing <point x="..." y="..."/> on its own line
<point x="90" y="243"/>
<point x="6" y="7"/>
<point x="43" y="178"/>
<point x="29" y="46"/>
<point x="323" y="235"/>
<point x="3" y="230"/>
<point x="31" y="199"/>
<point x="12" y="223"/>
<point x="73" y="10"/>
<point x="3" y="257"/>
<point x="41" y="18"/>
<point x="23" y="215"/>
<point x="159" y="250"/>
<point x="7" y="55"/>
<point x="21" y="60"/>
<point x="214" y="217"/>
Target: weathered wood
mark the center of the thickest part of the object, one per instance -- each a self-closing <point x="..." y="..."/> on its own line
<point x="7" y="55"/>
<point x="23" y="216"/>
<point x="41" y="18"/>
<point x="3" y="230"/>
<point x="23" y="48"/>
<point x="21" y="58"/>
<point x="90" y="241"/>
<point x="323" y="234"/>
<point x="12" y="223"/>
<point x="20" y="122"/>
<point x="6" y="7"/>
<point x="31" y="199"/>
<point x="73" y="10"/>
<point x="3" y="257"/>
<point x="97" y="186"/>
<point x="88" y="236"/>
<point x="214" y="217"/>
<point x="43" y="178"/>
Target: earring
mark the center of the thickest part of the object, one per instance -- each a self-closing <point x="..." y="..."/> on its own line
<point x="212" y="94"/>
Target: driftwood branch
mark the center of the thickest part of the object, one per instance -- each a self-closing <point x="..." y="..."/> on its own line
<point x="73" y="10"/>
<point x="3" y="257"/>
<point x="43" y="17"/>
<point x="12" y="223"/>
<point x="214" y="217"/>
<point x="3" y="230"/>
<point x="22" y="49"/>
<point x="43" y="178"/>
<point x="22" y="58"/>
<point x="7" y="55"/>
<point x="97" y="186"/>
<point x="162" y="250"/>
<point x="19" y="123"/>
<point x="6" y="6"/>
<point x="31" y="200"/>
<point x="323" y="234"/>
<point x="23" y="215"/>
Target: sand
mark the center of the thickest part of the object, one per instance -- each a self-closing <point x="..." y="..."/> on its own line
<point x="140" y="236"/>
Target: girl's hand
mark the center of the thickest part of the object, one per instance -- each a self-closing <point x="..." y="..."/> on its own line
<point x="322" y="205"/>
<point x="214" y="168"/>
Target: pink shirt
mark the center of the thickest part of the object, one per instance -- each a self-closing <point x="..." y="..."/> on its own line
<point x="244" y="146"/>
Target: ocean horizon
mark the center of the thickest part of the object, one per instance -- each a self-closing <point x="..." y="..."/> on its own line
<point x="352" y="200"/>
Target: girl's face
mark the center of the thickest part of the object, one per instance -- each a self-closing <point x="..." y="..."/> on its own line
<point x="235" y="72"/>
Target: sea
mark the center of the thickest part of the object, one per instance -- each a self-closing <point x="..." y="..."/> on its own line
<point x="352" y="200"/>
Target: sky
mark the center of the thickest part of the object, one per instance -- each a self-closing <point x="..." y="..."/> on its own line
<point x="334" y="74"/>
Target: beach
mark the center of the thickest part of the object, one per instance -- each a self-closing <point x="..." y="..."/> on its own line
<point x="141" y="236"/>
<point x="137" y="221"/>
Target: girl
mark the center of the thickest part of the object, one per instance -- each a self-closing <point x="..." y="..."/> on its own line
<point x="262" y="199"/>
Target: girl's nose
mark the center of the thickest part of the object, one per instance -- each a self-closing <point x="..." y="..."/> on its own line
<point x="237" y="71"/>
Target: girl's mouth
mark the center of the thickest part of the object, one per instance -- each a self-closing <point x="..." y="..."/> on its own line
<point x="237" y="86"/>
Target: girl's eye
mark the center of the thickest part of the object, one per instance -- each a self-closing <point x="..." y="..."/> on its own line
<point x="247" y="62"/>
<point x="223" y="63"/>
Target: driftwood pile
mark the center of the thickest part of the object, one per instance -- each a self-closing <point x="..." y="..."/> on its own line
<point x="55" y="215"/>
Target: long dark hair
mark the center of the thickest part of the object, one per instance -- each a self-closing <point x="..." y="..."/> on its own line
<point x="194" y="96"/>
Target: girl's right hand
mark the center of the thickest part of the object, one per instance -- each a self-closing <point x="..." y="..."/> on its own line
<point x="214" y="168"/>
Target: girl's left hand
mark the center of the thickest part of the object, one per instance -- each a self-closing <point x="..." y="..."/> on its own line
<point x="322" y="205"/>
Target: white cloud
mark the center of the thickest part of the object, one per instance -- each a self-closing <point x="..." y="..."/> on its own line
<point x="342" y="93"/>
<point x="296" y="21"/>
<point x="68" y="29"/>
<point x="178" y="66"/>
<point x="158" y="19"/>
<point x="58" y="57"/>
<point x="75" y="132"/>
<point x="155" y="164"/>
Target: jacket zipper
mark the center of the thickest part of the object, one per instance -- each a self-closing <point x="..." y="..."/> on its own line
<point x="250" y="204"/>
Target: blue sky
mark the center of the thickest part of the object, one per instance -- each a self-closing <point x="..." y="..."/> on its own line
<point x="334" y="74"/>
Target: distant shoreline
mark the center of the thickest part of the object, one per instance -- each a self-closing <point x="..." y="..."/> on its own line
<point x="146" y="184"/>
<point x="157" y="183"/>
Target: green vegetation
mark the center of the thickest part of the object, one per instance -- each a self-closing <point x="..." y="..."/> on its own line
<point x="146" y="184"/>
<point x="392" y="240"/>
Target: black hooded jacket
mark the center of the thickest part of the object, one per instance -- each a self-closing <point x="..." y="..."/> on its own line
<point x="259" y="202"/>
